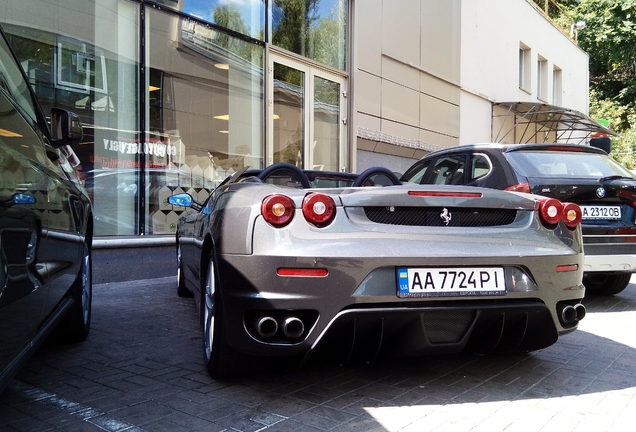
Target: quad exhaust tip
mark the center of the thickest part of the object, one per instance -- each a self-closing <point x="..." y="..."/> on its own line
<point x="292" y="327"/>
<point x="267" y="327"/>
<point x="573" y="314"/>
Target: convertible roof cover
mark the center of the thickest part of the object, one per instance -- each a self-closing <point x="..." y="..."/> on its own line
<point x="529" y="122"/>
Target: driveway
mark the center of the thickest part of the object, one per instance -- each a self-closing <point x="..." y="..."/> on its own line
<point x="141" y="369"/>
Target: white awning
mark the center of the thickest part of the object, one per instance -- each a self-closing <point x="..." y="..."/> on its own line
<point x="528" y="122"/>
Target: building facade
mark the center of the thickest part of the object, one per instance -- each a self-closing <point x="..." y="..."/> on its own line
<point x="175" y="95"/>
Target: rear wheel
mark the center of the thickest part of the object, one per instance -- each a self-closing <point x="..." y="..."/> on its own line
<point x="605" y="283"/>
<point x="76" y="324"/>
<point x="220" y="360"/>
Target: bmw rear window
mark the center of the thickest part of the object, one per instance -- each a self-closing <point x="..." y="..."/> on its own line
<point x="565" y="164"/>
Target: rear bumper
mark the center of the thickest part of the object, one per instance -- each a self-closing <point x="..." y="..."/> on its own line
<point x="610" y="263"/>
<point x="355" y="307"/>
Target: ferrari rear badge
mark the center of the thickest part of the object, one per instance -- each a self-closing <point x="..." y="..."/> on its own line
<point x="600" y="192"/>
<point x="446" y="216"/>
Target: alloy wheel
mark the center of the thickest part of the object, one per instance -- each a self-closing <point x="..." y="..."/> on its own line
<point x="86" y="285"/>
<point x="208" y="310"/>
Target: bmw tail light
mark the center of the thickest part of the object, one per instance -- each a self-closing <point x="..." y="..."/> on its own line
<point x="519" y="187"/>
<point x="572" y="215"/>
<point x="550" y="212"/>
<point x="319" y="209"/>
<point x="278" y="210"/>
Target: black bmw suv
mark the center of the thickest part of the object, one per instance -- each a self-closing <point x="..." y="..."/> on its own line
<point x="585" y="175"/>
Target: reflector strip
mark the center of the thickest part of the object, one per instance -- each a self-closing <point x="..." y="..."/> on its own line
<point x="301" y="272"/>
<point x="567" y="268"/>
<point x="446" y="194"/>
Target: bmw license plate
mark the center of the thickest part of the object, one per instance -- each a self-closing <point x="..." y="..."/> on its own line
<point x="433" y="282"/>
<point x="601" y="212"/>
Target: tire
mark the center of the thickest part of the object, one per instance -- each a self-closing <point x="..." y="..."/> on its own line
<point x="77" y="323"/>
<point x="182" y="291"/>
<point x="220" y="360"/>
<point x="605" y="284"/>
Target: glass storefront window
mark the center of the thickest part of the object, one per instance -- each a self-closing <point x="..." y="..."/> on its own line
<point x="205" y="112"/>
<point x="289" y="115"/>
<point x="315" y="29"/>
<point x="326" y="124"/>
<point x="245" y="17"/>
<point x="193" y="112"/>
<point x="88" y="62"/>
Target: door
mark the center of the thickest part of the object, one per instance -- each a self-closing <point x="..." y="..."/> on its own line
<point x="306" y="115"/>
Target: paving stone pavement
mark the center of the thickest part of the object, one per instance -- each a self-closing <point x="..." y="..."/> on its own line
<point x="141" y="369"/>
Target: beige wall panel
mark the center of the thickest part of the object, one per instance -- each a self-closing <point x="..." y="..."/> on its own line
<point x="419" y="154"/>
<point x="399" y="130"/>
<point x="395" y="150"/>
<point x="475" y="119"/>
<point x="368" y="93"/>
<point x="400" y="73"/>
<point x="438" y="88"/>
<point x="400" y="103"/>
<point x="368" y="36"/>
<point x="364" y="144"/>
<point x="441" y="38"/>
<point x="401" y="29"/>
<point x="439" y="116"/>
<point x="367" y="122"/>
<point x="438" y="140"/>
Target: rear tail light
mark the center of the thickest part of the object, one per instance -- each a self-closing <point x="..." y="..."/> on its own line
<point x="550" y="212"/>
<point x="519" y="187"/>
<point x="572" y="215"/>
<point x="277" y="210"/>
<point x="319" y="209"/>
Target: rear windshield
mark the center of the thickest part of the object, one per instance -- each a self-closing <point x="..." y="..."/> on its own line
<point x="560" y="164"/>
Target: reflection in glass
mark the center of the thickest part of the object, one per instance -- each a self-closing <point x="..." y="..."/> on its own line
<point x="326" y="124"/>
<point x="289" y="99"/>
<point x="205" y="110"/>
<point x="245" y="17"/>
<point x="91" y="68"/>
<point x="315" y="29"/>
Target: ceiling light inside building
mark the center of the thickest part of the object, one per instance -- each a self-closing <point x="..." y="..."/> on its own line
<point x="9" y="134"/>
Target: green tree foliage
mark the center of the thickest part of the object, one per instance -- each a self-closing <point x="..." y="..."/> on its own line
<point x="609" y="38"/>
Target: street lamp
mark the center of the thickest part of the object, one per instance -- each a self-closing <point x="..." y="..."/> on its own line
<point x="574" y="30"/>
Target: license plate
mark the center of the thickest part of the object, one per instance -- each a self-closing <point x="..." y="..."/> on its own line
<point x="601" y="212"/>
<point x="433" y="282"/>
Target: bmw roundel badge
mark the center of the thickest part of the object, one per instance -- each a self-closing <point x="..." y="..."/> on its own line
<point x="600" y="192"/>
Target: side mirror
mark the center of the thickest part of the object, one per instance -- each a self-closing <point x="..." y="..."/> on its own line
<point x="181" y="200"/>
<point x="66" y="127"/>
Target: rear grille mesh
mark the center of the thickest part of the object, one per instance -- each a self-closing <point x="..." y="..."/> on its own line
<point x="447" y="326"/>
<point x="441" y="216"/>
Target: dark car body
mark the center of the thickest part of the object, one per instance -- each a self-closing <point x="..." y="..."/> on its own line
<point x="281" y="268"/>
<point x="605" y="190"/>
<point x="45" y="225"/>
